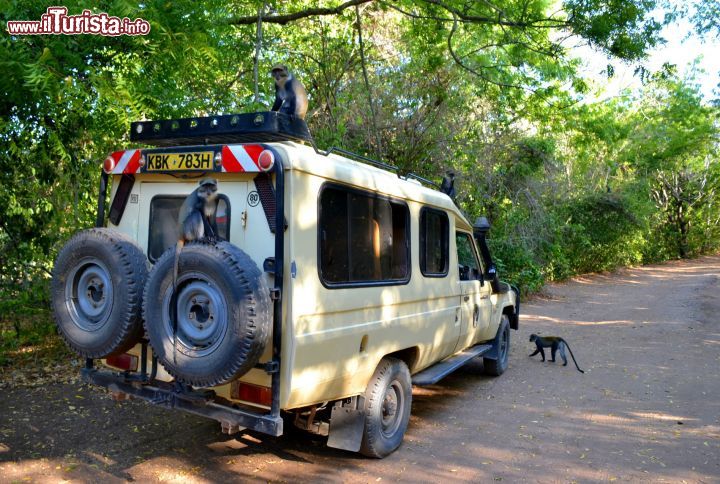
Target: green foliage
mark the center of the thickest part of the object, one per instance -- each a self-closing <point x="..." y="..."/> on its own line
<point x="601" y="233"/>
<point x="706" y="17"/>
<point x="451" y="85"/>
<point x="620" y="27"/>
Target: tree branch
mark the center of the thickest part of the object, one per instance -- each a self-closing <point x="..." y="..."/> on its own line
<point x="373" y="116"/>
<point x="457" y="15"/>
<point x="479" y="19"/>
<point x="291" y="17"/>
<point x="258" y="46"/>
<point x="460" y="63"/>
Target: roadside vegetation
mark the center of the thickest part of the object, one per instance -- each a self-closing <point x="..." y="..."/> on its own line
<point x="570" y="183"/>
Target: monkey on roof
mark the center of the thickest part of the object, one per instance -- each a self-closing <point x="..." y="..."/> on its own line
<point x="290" y="95"/>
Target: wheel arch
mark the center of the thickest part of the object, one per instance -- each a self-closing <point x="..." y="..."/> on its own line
<point x="409" y="356"/>
<point x="513" y="316"/>
<point x="513" y="311"/>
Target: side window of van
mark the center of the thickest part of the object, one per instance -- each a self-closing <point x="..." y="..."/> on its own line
<point x="469" y="266"/>
<point x="364" y="238"/>
<point x="164" y="230"/>
<point x="434" y="237"/>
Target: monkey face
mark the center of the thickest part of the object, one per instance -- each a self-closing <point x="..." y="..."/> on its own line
<point x="279" y="72"/>
<point x="208" y="189"/>
<point x="208" y="192"/>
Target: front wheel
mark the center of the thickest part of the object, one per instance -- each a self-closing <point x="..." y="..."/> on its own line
<point x="497" y="366"/>
<point x="387" y="408"/>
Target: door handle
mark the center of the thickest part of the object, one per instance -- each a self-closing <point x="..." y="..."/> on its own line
<point x="466" y="298"/>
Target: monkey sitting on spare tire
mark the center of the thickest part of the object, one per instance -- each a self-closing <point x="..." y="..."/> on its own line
<point x="196" y="220"/>
<point x="206" y="305"/>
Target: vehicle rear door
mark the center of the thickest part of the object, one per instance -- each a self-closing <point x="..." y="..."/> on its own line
<point x="160" y="203"/>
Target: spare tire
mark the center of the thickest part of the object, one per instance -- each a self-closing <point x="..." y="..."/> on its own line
<point x="224" y="313"/>
<point x="96" y="291"/>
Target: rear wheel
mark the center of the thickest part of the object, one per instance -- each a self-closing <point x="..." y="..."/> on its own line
<point x="388" y="400"/>
<point x="496" y="367"/>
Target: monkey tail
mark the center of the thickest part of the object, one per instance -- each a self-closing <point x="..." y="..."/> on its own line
<point x="573" y="356"/>
<point x="173" y="298"/>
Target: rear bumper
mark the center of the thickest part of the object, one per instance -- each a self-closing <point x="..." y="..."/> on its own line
<point x="192" y="401"/>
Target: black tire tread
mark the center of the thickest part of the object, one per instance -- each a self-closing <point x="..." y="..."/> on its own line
<point x="494" y="367"/>
<point x="133" y="265"/>
<point x="254" y="337"/>
<point x="372" y="444"/>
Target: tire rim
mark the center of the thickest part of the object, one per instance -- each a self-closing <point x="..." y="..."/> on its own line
<point x="392" y="408"/>
<point x="201" y="313"/>
<point x="89" y="294"/>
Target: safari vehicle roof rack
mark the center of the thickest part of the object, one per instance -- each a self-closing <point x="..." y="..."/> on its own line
<point x="374" y="162"/>
<point x="260" y="127"/>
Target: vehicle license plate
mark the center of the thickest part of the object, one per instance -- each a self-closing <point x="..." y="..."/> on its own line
<point x="191" y="161"/>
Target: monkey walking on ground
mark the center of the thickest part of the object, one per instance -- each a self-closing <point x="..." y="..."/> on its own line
<point x="196" y="220"/>
<point x="555" y="343"/>
<point x="290" y="95"/>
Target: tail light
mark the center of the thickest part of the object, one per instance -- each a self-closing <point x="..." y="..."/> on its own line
<point x="123" y="361"/>
<point x="266" y="160"/>
<point x="251" y="393"/>
<point x="109" y="164"/>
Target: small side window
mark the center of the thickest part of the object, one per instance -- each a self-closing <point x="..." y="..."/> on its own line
<point x="434" y="236"/>
<point x="164" y="231"/>
<point x="468" y="263"/>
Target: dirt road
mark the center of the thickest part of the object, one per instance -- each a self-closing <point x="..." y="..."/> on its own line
<point x="647" y="408"/>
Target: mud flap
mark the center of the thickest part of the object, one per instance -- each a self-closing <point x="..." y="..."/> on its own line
<point x="493" y="354"/>
<point x="346" y="428"/>
<point x="515" y="316"/>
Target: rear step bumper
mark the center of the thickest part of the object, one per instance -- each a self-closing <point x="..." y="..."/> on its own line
<point x="195" y="402"/>
<point x="438" y="371"/>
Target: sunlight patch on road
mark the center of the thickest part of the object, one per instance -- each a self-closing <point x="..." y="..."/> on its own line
<point x="103" y="459"/>
<point x="165" y="469"/>
<point x="663" y="416"/>
<point x="228" y="445"/>
<point x="601" y="323"/>
<point x="577" y="323"/>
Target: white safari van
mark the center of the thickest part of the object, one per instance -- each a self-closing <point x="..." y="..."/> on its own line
<point x="332" y="286"/>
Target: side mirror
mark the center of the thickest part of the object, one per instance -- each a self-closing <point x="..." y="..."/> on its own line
<point x="493" y="278"/>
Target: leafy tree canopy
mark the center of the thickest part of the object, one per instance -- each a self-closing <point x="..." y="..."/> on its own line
<point x="488" y="89"/>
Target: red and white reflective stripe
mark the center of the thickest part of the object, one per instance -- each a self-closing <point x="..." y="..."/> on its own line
<point x="241" y="158"/>
<point x="128" y="161"/>
<point x="235" y="159"/>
